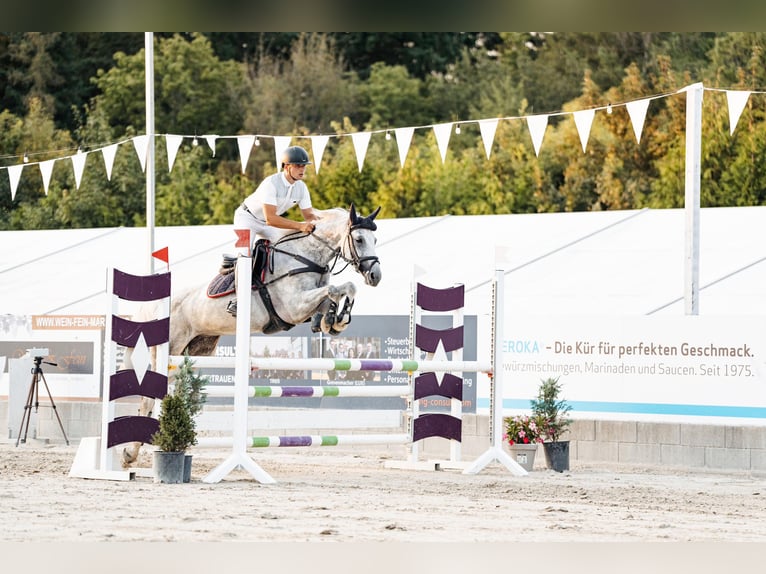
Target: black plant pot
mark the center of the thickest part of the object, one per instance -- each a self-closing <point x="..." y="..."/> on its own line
<point x="187" y="467"/>
<point x="557" y="455"/>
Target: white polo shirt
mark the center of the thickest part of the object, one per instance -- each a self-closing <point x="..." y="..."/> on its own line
<point x="276" y="190"/>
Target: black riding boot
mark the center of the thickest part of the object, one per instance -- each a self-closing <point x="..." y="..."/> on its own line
<point x="232" y="307"/>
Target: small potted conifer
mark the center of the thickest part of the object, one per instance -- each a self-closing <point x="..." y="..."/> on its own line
<point x="177" y="430"/>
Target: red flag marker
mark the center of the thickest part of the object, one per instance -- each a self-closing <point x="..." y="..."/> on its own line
<point x="162" y="255"/>
<point x="243" y="238"/>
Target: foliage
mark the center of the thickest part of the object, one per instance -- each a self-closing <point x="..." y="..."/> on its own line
<point x="63" y="91"/>
<point x="524" y="429"/>
<point x="177" y="431"/>
<point x="551" y="410"/>
<point x="190" y="386"/>
<point x="177" y="425"/>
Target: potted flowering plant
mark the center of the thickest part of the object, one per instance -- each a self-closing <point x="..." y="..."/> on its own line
<point x="524" y="429"/>
<point x="522" y="435"/>
<point x="553" y="411"/>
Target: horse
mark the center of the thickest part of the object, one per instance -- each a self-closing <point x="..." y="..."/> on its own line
<point x="295" y="288"/>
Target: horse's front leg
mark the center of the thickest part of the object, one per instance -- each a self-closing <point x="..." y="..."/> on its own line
<point x="329" y="306"/>
<point x="337" y="318"/>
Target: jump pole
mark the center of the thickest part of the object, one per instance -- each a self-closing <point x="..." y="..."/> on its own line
<point x="239" y="457"/>
<point x="495" y="451"/>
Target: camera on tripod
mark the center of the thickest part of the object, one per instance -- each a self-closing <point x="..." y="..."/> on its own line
<point x="33" y="400"/>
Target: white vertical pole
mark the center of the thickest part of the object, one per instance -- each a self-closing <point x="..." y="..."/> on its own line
<point x="495" y="451"/>
<point x="149" y="62"/>
<point x="106" y="455"/>
<point x="692" y="196"/>
<point x="239" y="457"/>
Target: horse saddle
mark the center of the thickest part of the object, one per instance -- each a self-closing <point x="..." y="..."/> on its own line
<point x="223" y="283"/>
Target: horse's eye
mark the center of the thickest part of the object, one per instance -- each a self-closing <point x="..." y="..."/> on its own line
<point x="359" y="240"/>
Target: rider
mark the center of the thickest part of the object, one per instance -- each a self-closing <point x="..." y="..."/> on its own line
<point x="262" y="210"/>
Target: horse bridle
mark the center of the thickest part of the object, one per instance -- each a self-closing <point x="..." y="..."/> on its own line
<point x="355" y="259"/>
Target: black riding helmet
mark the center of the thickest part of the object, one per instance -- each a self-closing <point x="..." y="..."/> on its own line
<point x="295" y="155"/>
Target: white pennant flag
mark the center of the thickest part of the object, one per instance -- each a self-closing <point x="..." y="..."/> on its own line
<point x="172" y="143"/>
<point x="488" y="129"/>
<point x="108" y="152"/>
<point x="318" y="143"/>
<point x="46" y="168"/>
<point x="442" y="133"/>
<point x="737" y="101"/>
<point x="210" y="139"/>
<point x="637" y="112"/>
<point x="141" y="143"/>
<point x="361" y="141"/>
<point x="281" y="143"/>
<point x="14" y="173"/>
<point x="584" y="120"/>
<point x="537" y="125"/>
<point x="403" y="140"/>
<point x="245" y="144"/>
<point x="78" y="163"/>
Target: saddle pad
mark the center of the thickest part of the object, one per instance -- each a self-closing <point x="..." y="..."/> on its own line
<point x="221" y="285"/>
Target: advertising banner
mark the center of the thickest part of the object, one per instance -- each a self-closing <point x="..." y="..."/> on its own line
<point x="710" y="368"/>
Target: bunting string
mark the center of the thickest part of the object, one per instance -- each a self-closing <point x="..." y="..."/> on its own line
<point x="536" y="123"/>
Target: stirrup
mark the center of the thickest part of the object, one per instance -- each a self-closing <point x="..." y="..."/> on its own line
<point x="232" y="307"/>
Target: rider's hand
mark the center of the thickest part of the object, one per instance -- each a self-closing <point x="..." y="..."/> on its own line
<point x="307" y="227"/>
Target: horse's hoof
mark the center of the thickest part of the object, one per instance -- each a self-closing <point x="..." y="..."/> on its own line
<point x="316" y="323"/>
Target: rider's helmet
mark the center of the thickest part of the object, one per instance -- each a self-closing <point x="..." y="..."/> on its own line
<point x="295" y="155"/>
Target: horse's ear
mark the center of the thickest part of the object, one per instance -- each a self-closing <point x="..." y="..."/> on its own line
<point x="352" y="213"/>
<point x="374" y="213"/>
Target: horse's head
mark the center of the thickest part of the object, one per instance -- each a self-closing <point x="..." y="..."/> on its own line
<point x="360" y="247"/>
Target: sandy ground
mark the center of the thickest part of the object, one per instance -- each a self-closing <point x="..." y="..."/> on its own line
<point x="347" y="495"/>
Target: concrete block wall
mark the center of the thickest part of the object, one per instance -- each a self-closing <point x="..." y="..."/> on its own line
<point x="672" y="445"/>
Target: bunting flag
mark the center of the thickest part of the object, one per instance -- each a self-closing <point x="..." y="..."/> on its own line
<point x="403" y="140"/>
<point x="318" y="143"/>
<point x="109" y="152"/>
<point x="442" y="133"/>
<point x="78" y="163"/>
<point x="281" y="143"/>
<point x="245" y="144"/>
<point x="172" y="143"/>
<point x="537" y="125"/>
<point x="488" y="129"/>
<point x="583" y="121"/>
<point x="141" y="143"/>
<point x="162" y="255"/>
<point x="361" y="141"/>
<point x="637" y="113"/>
<point x="46" y="168"/>
<point x="14" y="173"/>
<point x="210" y="139"/>
<point x="737" y="100"/>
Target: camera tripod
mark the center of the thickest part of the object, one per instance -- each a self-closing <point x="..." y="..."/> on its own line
<point x="34" y="398"/>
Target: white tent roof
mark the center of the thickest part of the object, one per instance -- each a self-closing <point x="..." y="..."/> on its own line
<point x="615" y="262"/>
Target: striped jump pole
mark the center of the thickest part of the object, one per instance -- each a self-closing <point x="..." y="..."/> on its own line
<point x="263" y="392"/>
<point x="309" y="440"/>
<point x="321" y="364"/>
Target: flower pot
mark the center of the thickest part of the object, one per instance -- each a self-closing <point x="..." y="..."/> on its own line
<point x="524" y="454"/>
<point x="557" y="455"/>
<point x="187" y="467"/>
<point x="169" y="467"/>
